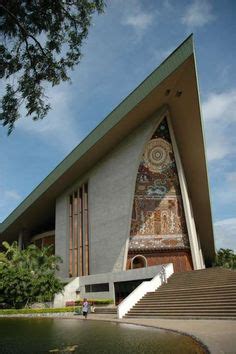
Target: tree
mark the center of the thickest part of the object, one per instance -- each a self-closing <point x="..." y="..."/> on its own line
<point x="41" y="42"/>
<point x="28" y="276"/>
<point x="226" y="258"/>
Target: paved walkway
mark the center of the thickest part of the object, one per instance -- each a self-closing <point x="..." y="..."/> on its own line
<point x="218" y="335"/>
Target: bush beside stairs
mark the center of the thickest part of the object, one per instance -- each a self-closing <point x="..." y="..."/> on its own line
<point x="206" y="293"/>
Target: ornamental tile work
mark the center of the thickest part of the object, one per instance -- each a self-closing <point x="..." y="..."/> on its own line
<point x="158" y="220"/>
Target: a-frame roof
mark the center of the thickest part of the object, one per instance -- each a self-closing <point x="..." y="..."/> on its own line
<point x="176" y="72"/>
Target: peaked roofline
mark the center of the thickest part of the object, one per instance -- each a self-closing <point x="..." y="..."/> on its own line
<point x="167" y="67"/>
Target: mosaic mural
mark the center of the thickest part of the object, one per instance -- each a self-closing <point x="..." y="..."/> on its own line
<point x="158" y="220"/>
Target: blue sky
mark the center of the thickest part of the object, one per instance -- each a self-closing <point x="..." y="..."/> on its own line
<point x="124" y="45"/>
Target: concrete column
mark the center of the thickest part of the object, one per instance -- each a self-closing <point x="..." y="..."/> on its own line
<point x="20" y="240"/>
<point x="23" y="238"/>
<point x="197" y="262"/>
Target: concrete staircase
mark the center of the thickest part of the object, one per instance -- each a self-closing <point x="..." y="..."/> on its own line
<point x="106" y="310"/>
<point x="207" y="293"/>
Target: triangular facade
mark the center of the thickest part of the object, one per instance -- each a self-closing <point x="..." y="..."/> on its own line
<point x="158" y="225"/>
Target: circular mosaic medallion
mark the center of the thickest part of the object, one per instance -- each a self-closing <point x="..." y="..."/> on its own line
<point x="157" y="155"/>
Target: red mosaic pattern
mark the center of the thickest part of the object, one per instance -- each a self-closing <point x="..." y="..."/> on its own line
<point x="158" y="220"/>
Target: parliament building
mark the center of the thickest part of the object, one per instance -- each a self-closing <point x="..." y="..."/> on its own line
<point x="133" y="195"/>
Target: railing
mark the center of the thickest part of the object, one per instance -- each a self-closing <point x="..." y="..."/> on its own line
<point x="145" y="287"/>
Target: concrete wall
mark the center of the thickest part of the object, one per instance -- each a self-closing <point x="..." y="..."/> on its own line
<point x="111" y="189"/>
<point x="111" y="186"/>
<point x="111" y="278"/>
<point x="70" y="294"/>
<point x="70" y="290"/>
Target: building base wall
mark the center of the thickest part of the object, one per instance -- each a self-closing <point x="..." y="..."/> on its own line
<point x="181" y="259"/>
<point x="117" y="283"/>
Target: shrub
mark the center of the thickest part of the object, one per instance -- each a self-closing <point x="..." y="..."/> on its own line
<point x="225" y="258"/>
<point x="32" y="311"/>
<point x="28" y="276"/>
<point x="96" y="301"/>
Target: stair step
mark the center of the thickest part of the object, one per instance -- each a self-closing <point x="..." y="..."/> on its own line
<point x="170" y="292"/>
<point x="185" y="316"/>
<point x="184" y="308"/>
<point x="198" y="283"/>
<point x="202" y="274"/>
<point x="181" y="311"/>
<point x="209" y="293"/>
<point x="202" y="288"/>
<point x="202" y="277"/>
<point x="179" y="303"/>
<point x="111" y="310"/>
<point x="204" y="294"/>
<point x="186" y="313"/>
<point x="207" y="306"/>
<point x="174" y="280"/>
<point x="193" y="274"/>
<point x="200" y="295"/>
<point x="195" y="303"/>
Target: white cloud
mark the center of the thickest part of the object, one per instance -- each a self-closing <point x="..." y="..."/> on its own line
<point x="219" y="113"/>
<point x="168" y="5"/>
<point x="198" y="14"/>
<point x="136" y="17"/>
<point x="58" y="127"/>
<point x="12" y="194"/>
<point x="231" y="178"/>
<point x="139" y="21"/>
<point x="9" y="200"/>
<point x="225" y="233"/>
<point x="220" y="106"/>
<point x="225" y="195"/>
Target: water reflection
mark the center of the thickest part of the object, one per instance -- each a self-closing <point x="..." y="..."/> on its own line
<point x="37" y="336"/>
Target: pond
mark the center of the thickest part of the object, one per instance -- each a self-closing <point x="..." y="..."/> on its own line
<point x="42" y="335"/>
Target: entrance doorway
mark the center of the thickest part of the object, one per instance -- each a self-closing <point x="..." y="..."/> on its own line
<point x="124" y="288"/>
<point x="138" y="261"/>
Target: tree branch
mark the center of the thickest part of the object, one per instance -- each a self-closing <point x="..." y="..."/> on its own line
<point x="30" y="57"/>
<point x="23" y="29"/>
<point x="69" y="16"/>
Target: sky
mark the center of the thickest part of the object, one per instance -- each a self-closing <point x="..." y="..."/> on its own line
<point x="125" y="44"/>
